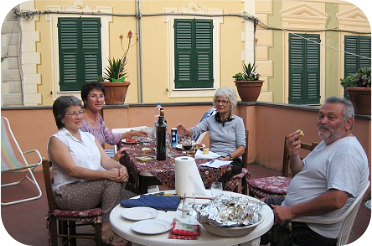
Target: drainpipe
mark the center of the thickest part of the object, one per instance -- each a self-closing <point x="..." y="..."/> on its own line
<point x="139" y="51"/>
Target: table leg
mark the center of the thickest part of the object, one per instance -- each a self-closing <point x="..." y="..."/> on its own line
<point x="254" y="242"/>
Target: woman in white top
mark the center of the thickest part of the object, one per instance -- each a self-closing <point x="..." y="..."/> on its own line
<point x="85" y="176"/>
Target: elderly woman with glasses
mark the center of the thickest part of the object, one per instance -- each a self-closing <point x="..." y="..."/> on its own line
<point x="93" y="96"/>
<point x="226" y="131"/>
<point x="85" y="176"/>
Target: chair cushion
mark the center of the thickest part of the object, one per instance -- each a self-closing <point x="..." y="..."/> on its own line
<point x="93" y="215"/>
<point x="234" y="180"/>
<point x="269" y="186"/>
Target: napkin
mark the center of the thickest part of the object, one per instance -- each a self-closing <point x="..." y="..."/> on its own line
<point x="211" y="155"/>
<point x="215" y="163"/>
<point x="166" y="203"/>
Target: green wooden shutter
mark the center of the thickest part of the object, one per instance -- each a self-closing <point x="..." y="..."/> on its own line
<point x="304" y="69"/>
<point x="80" y="51"/>
<point x="360" y="46"/>
<point x="193" y="53"/>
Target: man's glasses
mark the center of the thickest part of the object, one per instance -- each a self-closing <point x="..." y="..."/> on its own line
<point x="224" y="102"/>
<point x="76" y="114"/>
<point x="95" y="96"/>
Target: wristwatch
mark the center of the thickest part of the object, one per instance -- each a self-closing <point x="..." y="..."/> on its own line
<point x="231" y="158"/>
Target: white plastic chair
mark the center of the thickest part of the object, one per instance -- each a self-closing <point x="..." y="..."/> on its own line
<point x="13" y="159"/>
<point x="347" y="217"/>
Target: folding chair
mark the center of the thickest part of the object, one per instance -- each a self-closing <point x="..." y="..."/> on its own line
<point x="13" y="159"/>
<point x="276" y="185"/>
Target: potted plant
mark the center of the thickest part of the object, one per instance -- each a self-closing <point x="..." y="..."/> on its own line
<point x="114" y="77"/>
<point x="247" y="83"/>
<point x="358" y="86"/>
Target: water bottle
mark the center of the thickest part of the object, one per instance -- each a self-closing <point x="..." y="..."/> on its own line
<point x="161" y="134"/>
<point x="157" y="113"/>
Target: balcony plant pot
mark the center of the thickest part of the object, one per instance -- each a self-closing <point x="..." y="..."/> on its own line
<point x="115" y="92"/>
<point x="248" y="90"/>
<point x="361" y="99"/>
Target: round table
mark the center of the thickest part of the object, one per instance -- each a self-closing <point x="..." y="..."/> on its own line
<point x="123" y="228"/>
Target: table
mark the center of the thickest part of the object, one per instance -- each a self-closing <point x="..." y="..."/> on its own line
<point x="163" y="171"/>
<point x="123" y="228"/>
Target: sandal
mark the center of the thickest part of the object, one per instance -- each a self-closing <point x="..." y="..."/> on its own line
<point x="115" y="240"/>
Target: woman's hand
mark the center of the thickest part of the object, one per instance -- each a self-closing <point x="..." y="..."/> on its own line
<point x="181" y="130"/>
<point x="141" y="133"/>
<point x="120" y="153"/>
<point x="118" y="174"/>
<point x="123" y="175"/>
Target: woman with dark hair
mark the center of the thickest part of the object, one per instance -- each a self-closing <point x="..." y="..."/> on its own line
<point x="93" y="96"/>
<point x="85" y="176"/>
<point x="226" y="131"/>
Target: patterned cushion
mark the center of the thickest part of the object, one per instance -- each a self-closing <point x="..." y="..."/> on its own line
<point x="269" y="186"/>
<point x="236" y="179"/>
<point x="86" y="216"/>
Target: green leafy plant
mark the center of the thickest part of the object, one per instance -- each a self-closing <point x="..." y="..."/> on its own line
<point x="115" y="71"/>
<point x="362" y="78"/>
<point x="248" y="73"/>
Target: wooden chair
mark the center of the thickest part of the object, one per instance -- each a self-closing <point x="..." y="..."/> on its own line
<point x="13" y="160"/>
<point x="239" y="182"/>
<point x="63" y="223"/>
<point x="276" y="185"/>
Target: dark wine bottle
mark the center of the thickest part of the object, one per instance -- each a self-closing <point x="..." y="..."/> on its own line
<point x="161" y="131"/>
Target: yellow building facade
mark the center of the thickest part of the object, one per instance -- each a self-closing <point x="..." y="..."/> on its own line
<point x="243" y="31"/>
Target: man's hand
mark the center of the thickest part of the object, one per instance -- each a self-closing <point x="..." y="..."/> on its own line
<point x="282" y="213"/>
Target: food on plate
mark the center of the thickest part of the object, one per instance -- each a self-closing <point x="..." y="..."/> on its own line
<point x="131" y="140"/>
<point x="146" y="150"/>
<point x="300" y="133"/>
<point x="143" y="158"/>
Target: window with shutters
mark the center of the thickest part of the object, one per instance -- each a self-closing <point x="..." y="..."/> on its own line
<point x="193" y="53"/>
<point x="357" y="53"/>
<point x="304" y="69"/>
<point x="79" y="42"/>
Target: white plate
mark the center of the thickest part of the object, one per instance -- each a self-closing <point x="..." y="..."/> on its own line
<point x="151" y="226"/>
<point x="139" y="213"/>
<point x="179" y="147"/>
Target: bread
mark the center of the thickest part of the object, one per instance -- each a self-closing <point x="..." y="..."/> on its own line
<point x="300" y="133"/>
<point x="146" y="150"/>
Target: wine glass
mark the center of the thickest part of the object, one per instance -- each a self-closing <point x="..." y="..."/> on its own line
<point x="188" y="202"/>
<point x="186" y="143"/>
<point x="216" y="189"/>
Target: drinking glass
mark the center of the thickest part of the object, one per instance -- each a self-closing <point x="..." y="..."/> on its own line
<point x="168" y="141"/>
<point x="216" y="189"/>
<point x="188" y="202"/>
<point x="186" y="143"/>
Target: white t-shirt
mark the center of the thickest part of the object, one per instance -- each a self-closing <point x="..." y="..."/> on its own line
<point x="84" y="153"/>
<point x="342" y="165"/>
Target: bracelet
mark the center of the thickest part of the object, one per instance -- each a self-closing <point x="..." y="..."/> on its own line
<point x="231" y="158"/>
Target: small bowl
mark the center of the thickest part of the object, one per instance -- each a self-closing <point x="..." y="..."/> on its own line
<point x="231" y="231"/>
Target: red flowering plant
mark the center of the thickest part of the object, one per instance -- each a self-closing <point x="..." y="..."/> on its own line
<point x="115" y="71"/>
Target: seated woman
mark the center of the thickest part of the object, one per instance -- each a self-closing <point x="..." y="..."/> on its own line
<point x="226" y="131"/>
<point x="93" y="96"/>
<point x="85" y="176"/>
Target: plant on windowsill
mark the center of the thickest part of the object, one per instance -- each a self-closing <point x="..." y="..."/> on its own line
<point x="358" y="87"/>
<point x="114" y="77"/>
<point x="247" y="83"/>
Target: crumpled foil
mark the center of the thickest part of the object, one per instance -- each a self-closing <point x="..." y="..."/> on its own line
<point x="229" y="211"/>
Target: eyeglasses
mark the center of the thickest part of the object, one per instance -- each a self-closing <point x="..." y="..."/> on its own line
<point x="95" y="96"/>
<point x="80" y="113"/>
<point x="224" y="102"/>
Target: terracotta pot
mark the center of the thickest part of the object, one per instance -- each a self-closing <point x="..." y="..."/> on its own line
<point x="361" y="99"/>
<point x="115" y="92"/>
<point x="249" y="90"/>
